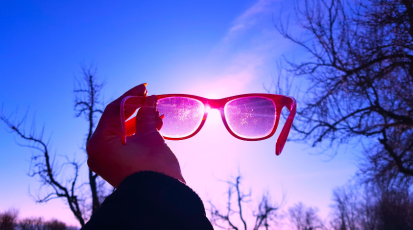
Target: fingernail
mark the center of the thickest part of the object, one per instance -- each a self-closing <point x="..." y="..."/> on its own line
<point x="162" y="116"/>
<point x="145" y="84"/>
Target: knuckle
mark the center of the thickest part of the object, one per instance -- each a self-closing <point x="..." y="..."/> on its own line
<point x="110" y="105"/>
<point x="90" y="163"/>
<point x="90" y="147"/>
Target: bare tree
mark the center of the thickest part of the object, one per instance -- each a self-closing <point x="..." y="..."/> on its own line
<point x="54" y="225"/>
<point x="394" y="208"/>
<point x="31" y="223"/>
<point x="61" y="180"/>
<point x="235" y="217"/>
<point x="305" y="218"/>
<point x="8" y="219"/>
<point x="88" y="104"/>
<point x="37" y="223"/>
<point x="346" y="209"/>
<point x="360" y="74"/>
<point x="372" y="208"/>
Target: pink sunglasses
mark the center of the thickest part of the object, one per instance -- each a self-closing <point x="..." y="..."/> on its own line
<point x="249" y="117"/>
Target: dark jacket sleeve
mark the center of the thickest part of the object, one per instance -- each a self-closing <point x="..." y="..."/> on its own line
<point x="150" y="200"/>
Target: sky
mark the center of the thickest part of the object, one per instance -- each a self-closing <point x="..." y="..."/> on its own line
<point x="207" y="48"/>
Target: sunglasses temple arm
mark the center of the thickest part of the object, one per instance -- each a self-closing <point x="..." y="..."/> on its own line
<point x="286" y="129"/>
<point x="132" y="103"/>
<point x="122" y="119"/>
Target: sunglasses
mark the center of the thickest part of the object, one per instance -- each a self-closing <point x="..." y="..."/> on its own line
<point x="249" y="117"/>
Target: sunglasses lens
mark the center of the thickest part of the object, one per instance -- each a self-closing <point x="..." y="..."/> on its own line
<point x="182" y="116"/>
<point x="250" y="117"/>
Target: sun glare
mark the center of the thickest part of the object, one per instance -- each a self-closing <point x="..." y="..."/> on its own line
<point x="214" y="117"/>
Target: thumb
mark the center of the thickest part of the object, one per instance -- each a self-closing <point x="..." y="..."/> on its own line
<point x="147" y="118"/>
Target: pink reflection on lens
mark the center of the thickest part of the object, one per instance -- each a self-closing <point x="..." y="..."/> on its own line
<point x="250" y="117"/>
<point x="183" y="116"/>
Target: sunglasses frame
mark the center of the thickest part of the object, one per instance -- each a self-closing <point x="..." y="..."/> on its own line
<point x="279" y="101"/>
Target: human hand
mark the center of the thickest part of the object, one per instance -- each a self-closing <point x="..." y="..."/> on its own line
<point x="144" y="151"/>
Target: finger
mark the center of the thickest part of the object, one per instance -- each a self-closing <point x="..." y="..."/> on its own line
<point x="147" y="119"/>
<point x="132" y="104"/>
<point x="159" y="123"/>
<point x="139" y="90"/>
<point x="131" y="124"/>
<point x="111" y="115"/>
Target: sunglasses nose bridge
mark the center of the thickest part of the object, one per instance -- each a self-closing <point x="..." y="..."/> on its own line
<point x="216" y="103"/>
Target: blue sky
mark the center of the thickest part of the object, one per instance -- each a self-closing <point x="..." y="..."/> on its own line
<point x="206" y="48"/>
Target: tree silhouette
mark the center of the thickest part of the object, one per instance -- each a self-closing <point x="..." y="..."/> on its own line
<point x="8" y="219"/>
<point x="235" y="217"/>
<point x="87" y="103"/>
<point x="372" y="208"/>
<point x="305" y="218"/>
<point x="62" y="180"/>
<point x="360" y="74"/>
